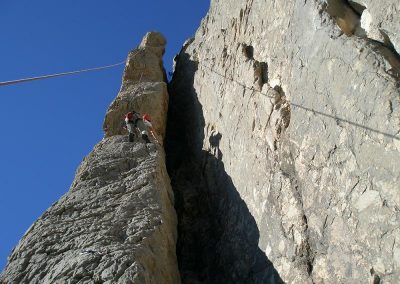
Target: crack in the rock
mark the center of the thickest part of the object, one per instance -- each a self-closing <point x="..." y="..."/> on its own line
<point x="217" y="235"/>
<point x="260" y="68"/>
<point x="306" y="255"/>
<point x="347" y="15"/>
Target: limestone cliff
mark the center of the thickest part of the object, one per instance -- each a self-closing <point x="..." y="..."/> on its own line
<point x="117" y="223"/>
<point x="283" y="143"/>
<point x="282" y="146"/>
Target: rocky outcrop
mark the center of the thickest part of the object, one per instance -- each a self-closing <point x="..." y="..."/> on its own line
<point x="143" y="89"/>
<point x="282" y="147"/>
<point x="283" y="143"/>
<point x="117" y="223"/>
<point x="378" y="19"/>
<point x="373" y="22"/>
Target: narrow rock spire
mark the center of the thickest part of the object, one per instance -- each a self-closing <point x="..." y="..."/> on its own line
<point x="117" y="223"/>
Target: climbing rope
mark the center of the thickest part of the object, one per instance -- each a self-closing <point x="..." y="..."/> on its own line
<point x="59" y="74"/>
<point x="315" y="112"/>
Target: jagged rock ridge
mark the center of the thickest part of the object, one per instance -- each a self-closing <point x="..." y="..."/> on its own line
<point x="290" y="143"/>
<point x="117" y="223"/>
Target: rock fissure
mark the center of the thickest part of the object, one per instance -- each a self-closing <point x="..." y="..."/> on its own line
<point x="217" y="240"/>
<point x="321" y="226"/>
<point x="265" y="190"/>
<point x="349" y="17"/>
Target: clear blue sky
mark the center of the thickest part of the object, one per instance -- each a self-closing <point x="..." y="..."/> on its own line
<point x="47" y="127"/>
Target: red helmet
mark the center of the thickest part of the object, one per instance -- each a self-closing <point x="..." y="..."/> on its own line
<point x="129" y="115"/>
<point x="146" y="117"/>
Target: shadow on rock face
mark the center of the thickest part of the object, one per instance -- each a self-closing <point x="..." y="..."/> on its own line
<point x="217" y="235"/>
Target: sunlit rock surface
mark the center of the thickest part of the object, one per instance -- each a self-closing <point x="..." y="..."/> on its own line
<point x="117" y="223"/>
<point x="292" y="122"/>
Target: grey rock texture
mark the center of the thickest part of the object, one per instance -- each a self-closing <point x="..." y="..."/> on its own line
<point x="143" y="89"/>
<point x="288" y="157"/>
<point x="380" y="20"/>
<point x="117" y="223"/>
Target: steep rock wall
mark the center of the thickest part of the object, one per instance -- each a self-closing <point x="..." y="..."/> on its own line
<point x="143" y="88"/>
<point x="117" y="223"/>
<point x="287" y="119"/>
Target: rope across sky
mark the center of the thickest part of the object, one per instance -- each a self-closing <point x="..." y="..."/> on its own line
<point x="13" y="82"/>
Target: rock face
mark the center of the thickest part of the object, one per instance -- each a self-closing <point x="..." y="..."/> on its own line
<point x="144" y="87"/>
<point x="283" y="149"/>
<point x="117" y="223"/>
<point x="283" y="143"/>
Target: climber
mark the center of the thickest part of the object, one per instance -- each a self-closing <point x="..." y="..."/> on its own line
<point x="147" y="121"/>
<point x="134" y="124"/>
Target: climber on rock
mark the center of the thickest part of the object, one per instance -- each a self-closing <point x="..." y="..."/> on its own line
<point x="135" y="125"/>
<point x="147" y="121"/>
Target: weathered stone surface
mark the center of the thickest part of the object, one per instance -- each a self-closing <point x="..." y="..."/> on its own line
<point x="144" y="97"/>
<point x="283" y="147"/>
<point x="298" y="122"/>
<point x="218" y="236"/>
<point x="374" y="22"/>
<point x="143" y="89"/>
<point x="117" y="223"/>
<point x="380" y="20"/>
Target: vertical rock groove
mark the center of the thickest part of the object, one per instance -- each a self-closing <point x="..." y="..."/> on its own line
<point x="259" y="148"/>
<point x="282" y="147"/>
<point x="218" y="236"/>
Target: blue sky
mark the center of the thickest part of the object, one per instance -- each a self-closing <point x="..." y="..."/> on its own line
<point x="47" y="127"/>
